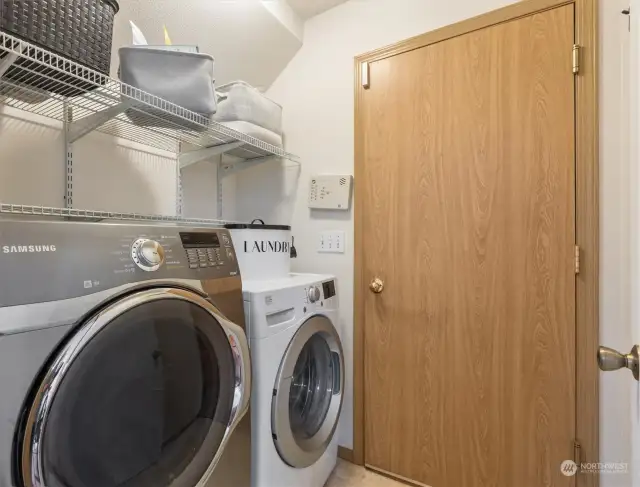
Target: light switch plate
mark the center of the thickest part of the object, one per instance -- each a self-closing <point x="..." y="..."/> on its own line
<point x="332" y="242"/>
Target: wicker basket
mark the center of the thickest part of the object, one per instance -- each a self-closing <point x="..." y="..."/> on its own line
<point x="79" y="30"/>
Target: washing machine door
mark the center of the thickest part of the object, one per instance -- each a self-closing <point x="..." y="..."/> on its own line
<point x="144" y="394"/>
<point x="308" y="393"/>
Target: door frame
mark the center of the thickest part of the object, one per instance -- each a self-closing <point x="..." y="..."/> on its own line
<point x="587" y="214"/>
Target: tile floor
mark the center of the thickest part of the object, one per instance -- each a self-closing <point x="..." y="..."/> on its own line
<point x="349" y="475"/>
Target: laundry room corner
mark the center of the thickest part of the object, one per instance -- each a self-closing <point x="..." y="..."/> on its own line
<point x="319" y="243"/>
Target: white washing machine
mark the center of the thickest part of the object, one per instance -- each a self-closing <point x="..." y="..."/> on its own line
<point x="298" y="385"/>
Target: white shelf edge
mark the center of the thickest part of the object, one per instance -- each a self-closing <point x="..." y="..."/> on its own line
<point x="92" y="215"/>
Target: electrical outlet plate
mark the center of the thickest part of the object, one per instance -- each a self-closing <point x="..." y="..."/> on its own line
<point x="332" y="242"/>
<point x="330" y="191"/>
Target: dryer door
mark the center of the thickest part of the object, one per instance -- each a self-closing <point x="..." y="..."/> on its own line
<point x="308" y="393"/>
<point x="145" y="393"/>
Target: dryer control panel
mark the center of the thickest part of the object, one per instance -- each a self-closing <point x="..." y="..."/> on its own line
<point x="52" y="260"/>
<point x="207" y="249"/>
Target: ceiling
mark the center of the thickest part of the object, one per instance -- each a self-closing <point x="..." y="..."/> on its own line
<point x="308" y="8"/>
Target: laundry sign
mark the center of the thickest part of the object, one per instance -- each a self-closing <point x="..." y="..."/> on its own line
<point x="265" y="246"/>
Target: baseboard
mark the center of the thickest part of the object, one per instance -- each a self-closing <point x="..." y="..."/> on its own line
<point x="395" y="476"/>
<point x="345" y="453"/>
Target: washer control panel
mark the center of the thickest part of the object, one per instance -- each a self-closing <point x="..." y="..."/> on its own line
<point x="318" y="293"/>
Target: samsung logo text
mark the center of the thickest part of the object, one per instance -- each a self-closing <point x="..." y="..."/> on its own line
<point x="27" y="249"/>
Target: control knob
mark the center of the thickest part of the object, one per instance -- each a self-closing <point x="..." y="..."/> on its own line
<point x="147" y="254"/>
<point x="314" y="294"/>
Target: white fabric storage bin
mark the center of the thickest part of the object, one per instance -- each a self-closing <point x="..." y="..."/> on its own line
<point x="182" y="78"/>
<point x="239" y="101"/>
<point x="263" y="251"/>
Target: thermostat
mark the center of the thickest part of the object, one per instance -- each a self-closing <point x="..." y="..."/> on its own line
<point x="330" y="192"/>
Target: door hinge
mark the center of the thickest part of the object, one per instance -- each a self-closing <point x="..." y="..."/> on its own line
<point x="365" y="75"/>
<point x="575" y="56"/>
<point x="577" y="453"/>
<point x="627" y="12"/>
<point x="577" y="259"/>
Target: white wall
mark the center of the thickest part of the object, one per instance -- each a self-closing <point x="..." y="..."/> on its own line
<point x="316" y="90"/>
<point x="634" y="224"/>
<point x="615" y="245"/>
<point x="109" y="174"/>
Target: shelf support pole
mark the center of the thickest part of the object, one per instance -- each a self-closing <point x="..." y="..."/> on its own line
<point x="179" y="186"/>
<point x="68" y="150"/>
<point x="195" y="156"/>
<point x="86" y="125"/>
<point x="219" y="177"/>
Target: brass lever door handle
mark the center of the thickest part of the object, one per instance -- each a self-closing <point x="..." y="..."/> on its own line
<point x="377" y="285"/>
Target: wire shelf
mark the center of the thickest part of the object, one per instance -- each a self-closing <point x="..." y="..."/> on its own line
<point x="38" y="81"/>
<point x="93" y="215"/>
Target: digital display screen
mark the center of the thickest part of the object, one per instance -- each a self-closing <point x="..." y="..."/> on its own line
<point x="199" y="239"/>
<point x="329" y="289"/>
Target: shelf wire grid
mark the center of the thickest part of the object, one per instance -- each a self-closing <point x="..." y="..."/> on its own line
<point x="37" y="81"/>
<point x="96" y="215"/>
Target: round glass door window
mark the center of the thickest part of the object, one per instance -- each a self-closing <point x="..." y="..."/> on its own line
<point x="308" y="397"/>
<point x="146" y="402"/>
<point x="311" y="389"/>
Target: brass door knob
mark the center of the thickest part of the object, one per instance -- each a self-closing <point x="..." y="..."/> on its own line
<point x="377" y="285"/>
<point x="609" y="359"/>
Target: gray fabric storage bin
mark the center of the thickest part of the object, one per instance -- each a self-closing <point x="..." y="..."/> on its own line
<point x="182" y="78"/>
<point x="239" y="101"/>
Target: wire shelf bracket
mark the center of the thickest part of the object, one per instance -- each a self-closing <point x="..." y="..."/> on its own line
<point x="230" y="169"/>
<point x="192" y="157"/>
<point x="86" y="125"/>
<point x="7" y="62"/>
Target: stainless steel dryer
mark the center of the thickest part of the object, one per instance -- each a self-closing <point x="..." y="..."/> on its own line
<point x="123" y="357"/>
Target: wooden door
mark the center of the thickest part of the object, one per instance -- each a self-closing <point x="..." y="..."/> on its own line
<point x="469" y="220"/>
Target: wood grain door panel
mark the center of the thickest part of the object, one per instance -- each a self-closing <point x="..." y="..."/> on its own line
<point x="470" y="221"/>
